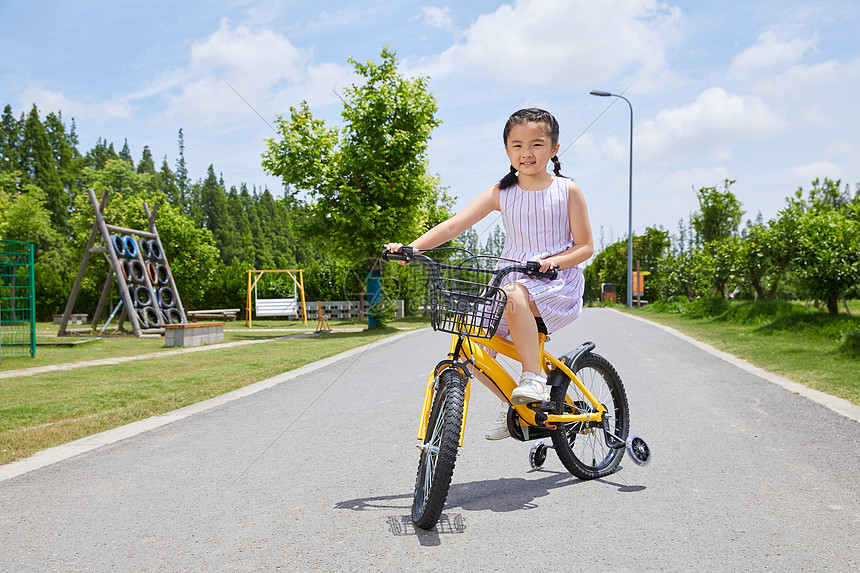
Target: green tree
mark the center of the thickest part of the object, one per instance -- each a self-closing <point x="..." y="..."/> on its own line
<point x="719" y="216"/>
<point x="715" y="225"/>
<point x="146" y="164"/>
<point x="25" y="216"/>
<point x="97" y="157"/>
<point x="495" y="242"/>
<point x="10" y="141"/>
<point x="610" y="265"/>
<point x="125" y="153"/>
<point x="368" y="182"/>
<point x="40" y="168"/>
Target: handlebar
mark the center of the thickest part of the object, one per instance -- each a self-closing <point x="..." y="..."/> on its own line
<point x="408" y="254"/>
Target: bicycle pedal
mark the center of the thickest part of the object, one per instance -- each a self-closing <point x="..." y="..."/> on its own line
<point x="542" y="406"/>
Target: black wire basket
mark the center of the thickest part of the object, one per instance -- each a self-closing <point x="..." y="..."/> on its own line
<point x="466" y="307"/>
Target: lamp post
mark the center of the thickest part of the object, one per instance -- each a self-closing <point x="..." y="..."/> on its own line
<point x="630" y="207"/>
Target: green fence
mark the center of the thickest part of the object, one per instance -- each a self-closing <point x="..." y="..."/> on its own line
<point x="17" y="300"/>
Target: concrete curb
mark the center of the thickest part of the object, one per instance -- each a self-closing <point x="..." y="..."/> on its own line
<point x="838" y="405"/>
<point x="59" y="453"/>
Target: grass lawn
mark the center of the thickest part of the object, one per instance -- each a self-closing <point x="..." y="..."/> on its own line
<point x="48" y="409"/>
<point x="799" y="343"/>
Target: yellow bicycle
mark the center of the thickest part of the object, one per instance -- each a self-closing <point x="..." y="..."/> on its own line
<point x="586" y="417"/>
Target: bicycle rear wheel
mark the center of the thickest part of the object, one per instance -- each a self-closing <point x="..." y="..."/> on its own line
<point x="439" y="451"/>
<point x="581" y="446"/>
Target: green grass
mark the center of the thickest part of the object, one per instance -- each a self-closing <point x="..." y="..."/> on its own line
<point x="795" y="341"/>
<point x="48" y="409"/>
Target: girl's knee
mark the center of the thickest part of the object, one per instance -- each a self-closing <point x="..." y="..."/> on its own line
<point x="518" y="297"/>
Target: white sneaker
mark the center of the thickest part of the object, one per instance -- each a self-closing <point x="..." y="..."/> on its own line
<point x="499" y="429"/>
<point x="531" y="388"/>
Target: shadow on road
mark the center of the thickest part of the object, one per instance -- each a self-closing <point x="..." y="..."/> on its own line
<point x="497" y="495"/>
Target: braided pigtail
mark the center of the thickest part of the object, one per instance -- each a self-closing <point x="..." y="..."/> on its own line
<point x="509" y="180"/>
<point x="556" y="166"/>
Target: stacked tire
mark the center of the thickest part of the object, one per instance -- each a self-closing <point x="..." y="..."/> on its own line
<point x="147" y="299"/>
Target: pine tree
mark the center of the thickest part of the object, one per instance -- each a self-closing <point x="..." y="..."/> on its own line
<point x="10" y="141"/>
<point x="125" y="154"/>
<point x="146" y="164"/>
<point x="97" y="157"/>
<point x="214" y="214"/>
<point x="39" y="167"/>
<point x="183" y="184"/>
<point x="167" y="185"/>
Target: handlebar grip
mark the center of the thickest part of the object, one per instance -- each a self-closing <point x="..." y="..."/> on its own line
<point x="404" y="254"/>
<point x="534" y="270"/>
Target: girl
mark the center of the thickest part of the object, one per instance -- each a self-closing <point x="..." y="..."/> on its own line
<point x="546" y="220"/>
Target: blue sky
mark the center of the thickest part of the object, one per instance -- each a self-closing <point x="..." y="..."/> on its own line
<point x="763" y="92"/>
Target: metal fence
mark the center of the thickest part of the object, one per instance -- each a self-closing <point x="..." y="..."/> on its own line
<point x="17" y="300"/>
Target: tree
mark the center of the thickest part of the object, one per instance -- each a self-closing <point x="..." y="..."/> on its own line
<point x="10" y="141"/>
<point x="495" y="242"/>
<point x="720" y="214"/>
<point x="828" y="256"/>
<point x="40" y="168"/>
<point x="823" y="238"/>
<point x="146" y="164"/>
<point x="125" y="153"/>
<point x="368" y="181"/>
<point x="715" y="225"/>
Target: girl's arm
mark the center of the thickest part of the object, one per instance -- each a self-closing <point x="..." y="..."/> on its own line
<point x="580" y="229"/>
<point x="483" y="205"/>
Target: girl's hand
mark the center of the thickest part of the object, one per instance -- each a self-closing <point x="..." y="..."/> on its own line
<point x="393" y="248"/>
<point x="547" y="264"/>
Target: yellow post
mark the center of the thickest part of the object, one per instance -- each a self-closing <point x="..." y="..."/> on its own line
<point x="302" y="288"/>
<point x="248" y="300"/>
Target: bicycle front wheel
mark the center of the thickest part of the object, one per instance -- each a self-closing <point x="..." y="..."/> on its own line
<point x="581" y="446"/>
<point x="439" y="451"/>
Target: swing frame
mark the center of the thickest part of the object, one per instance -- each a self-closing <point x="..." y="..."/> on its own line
<point x="298" y="282"/>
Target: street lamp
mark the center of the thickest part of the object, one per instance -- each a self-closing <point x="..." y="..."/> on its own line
<point x="630" y="209"/>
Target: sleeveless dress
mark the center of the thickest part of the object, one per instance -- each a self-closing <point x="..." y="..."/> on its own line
<point x="537" y="226"/>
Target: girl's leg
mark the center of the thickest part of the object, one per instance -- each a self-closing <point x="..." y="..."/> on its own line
<point x="486" y="382"/>
<point x="520" y="313"/>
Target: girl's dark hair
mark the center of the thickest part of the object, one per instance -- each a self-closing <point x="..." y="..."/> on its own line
<point x="531" y="115"/>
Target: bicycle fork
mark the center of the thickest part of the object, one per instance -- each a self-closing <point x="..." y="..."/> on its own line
<point x="430" y="391"/>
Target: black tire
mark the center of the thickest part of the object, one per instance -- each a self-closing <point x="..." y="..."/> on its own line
<point x="173" y="316"/>
<point x="155" y="250"/>
<point x="145" y="248"/>
<point x="439" y="452"/>
<point x="137" y="271"/>
<point x="151" y="316"/>
<point x="142" y="295"/>
<point x="581" y="446"/>
<point x="166" y="297"/>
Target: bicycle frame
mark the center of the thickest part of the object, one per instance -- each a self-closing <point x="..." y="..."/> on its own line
<point x="475" y="352"/>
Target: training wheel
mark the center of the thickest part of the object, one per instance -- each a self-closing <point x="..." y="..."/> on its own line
<point x="537" y="455"/>
<point x="638" y="450"/>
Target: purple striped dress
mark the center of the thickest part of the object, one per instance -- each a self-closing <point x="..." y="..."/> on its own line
<point x="537" y="226"/>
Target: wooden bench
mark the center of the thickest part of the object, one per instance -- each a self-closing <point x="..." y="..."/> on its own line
<point x="197" y="334"/>
<point x="214" y="314"/>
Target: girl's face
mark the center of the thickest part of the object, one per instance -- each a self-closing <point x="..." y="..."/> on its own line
<point x="530" y="148"/>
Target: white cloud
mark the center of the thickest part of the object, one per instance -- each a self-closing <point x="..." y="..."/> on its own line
<point x="817" y="169"/>
<point x="93" y="112"/>
<point x="438" y="17"/>
<point x="261" y="67"/>
<point x="769" y="51"/>
<point x="564" y="42"/>
<point x="706" y="127"/>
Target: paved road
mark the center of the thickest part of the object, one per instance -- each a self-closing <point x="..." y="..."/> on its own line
<point x="317" y="473"/>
